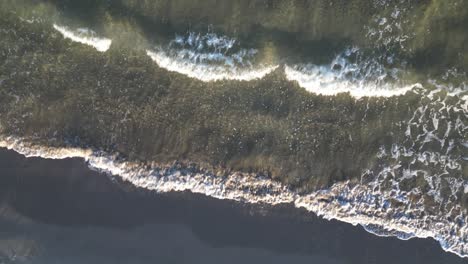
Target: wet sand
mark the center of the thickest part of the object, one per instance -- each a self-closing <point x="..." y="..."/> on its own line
<point x="60" y="211"/>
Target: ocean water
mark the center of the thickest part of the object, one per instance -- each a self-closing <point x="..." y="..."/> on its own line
<point x="354" y="112"/>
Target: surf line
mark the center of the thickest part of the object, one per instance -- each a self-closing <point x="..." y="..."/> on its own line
<point x="342" y="201"/>
<point x="85" y="36"/>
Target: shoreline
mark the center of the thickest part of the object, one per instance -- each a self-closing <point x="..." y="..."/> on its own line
<point x="67" y="194"/>
<point x="355" y="205"/>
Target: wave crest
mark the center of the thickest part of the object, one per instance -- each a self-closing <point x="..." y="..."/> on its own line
<point x="351" y="72"/>
<point x="209" y="57"/>
<point x="85" y="36"/>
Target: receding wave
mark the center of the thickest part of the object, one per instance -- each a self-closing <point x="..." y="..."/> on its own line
<point x="85" y="36"/>
<point x="381" y="211"/>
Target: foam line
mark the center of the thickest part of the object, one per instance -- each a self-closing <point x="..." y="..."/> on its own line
<point x="206" y="72"/>
<point x="322" y="80"/>
<point x="357" y="204"/>
<point x="85" y="36"/>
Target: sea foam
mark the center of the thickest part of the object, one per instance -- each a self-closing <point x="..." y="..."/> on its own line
<point x="205" y="72"/>
<point x="209" y="57"/>
<point x="359" y="204"/>
<point x="350" y="72"/>
<point x="322" y="80"/>
<point x="85" y="36"/>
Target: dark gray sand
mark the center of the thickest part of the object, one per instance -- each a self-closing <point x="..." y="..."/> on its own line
<point x="59" y="211"/>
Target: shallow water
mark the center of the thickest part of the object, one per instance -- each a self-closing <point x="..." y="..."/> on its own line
<point x="59" y="211"/>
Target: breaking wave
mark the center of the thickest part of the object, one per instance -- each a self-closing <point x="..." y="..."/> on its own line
<point x="205" y="72"/>
<point x="85" y="36"/>
<point x="323" y="80"/>
<point x="350" y="73"/>
<point x="209" y="57"/>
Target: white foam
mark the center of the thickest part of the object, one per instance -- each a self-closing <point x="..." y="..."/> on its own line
<point x="355" y="72"/>
<point x="357" y="204"/>
<point x="85" y="36"/>
<point x="209" y="57"/>
<point x="352" y="72"/>
<point x="206" y="72"/>
<point x="321" y="80"/>
<point x="316" y="79"/>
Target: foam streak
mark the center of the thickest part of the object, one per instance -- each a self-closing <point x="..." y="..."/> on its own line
<point x="321" y="80"/>
<point x="206" y="72"/>
<point x="86" y="37"/>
